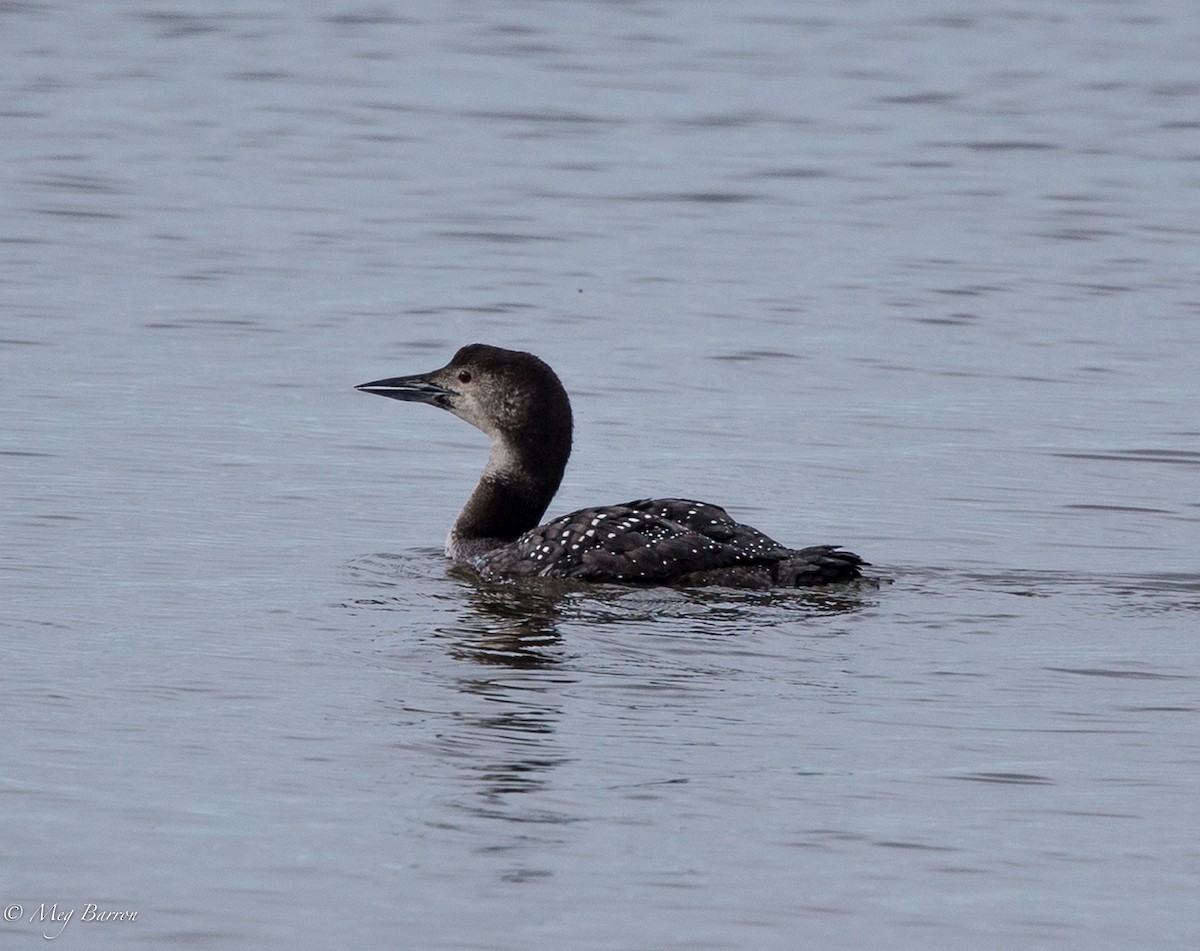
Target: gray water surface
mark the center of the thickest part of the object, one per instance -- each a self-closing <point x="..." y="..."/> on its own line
<point x="920" y="280"/>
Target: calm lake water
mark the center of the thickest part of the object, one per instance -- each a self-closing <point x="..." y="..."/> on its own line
<point x="920" y="279"/>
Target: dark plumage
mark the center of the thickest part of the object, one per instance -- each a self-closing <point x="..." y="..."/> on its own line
<point x="519" y="402"/>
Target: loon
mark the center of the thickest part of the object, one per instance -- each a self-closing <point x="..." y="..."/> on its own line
<point x="521" y="405"/>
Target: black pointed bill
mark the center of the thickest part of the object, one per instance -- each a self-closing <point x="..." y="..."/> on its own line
<point x="415" y="389"/>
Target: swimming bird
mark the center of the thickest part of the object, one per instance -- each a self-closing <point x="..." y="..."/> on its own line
<point x="520" y="404"/>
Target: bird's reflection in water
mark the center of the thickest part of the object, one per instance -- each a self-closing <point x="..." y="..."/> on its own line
<point x="520" y="625"/>
<point x="507" y="625"/>
<point x="504" y="741"/>
<point x="523" y="649"/>
<point x="517" y="636"/>
<point x="504" y="736"/>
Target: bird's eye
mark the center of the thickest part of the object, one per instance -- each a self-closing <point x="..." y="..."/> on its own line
<point x="464" y="376"/>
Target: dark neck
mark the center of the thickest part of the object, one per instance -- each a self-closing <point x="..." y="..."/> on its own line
<point x="513" y="494"/>
<point x="501" y="510"/>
